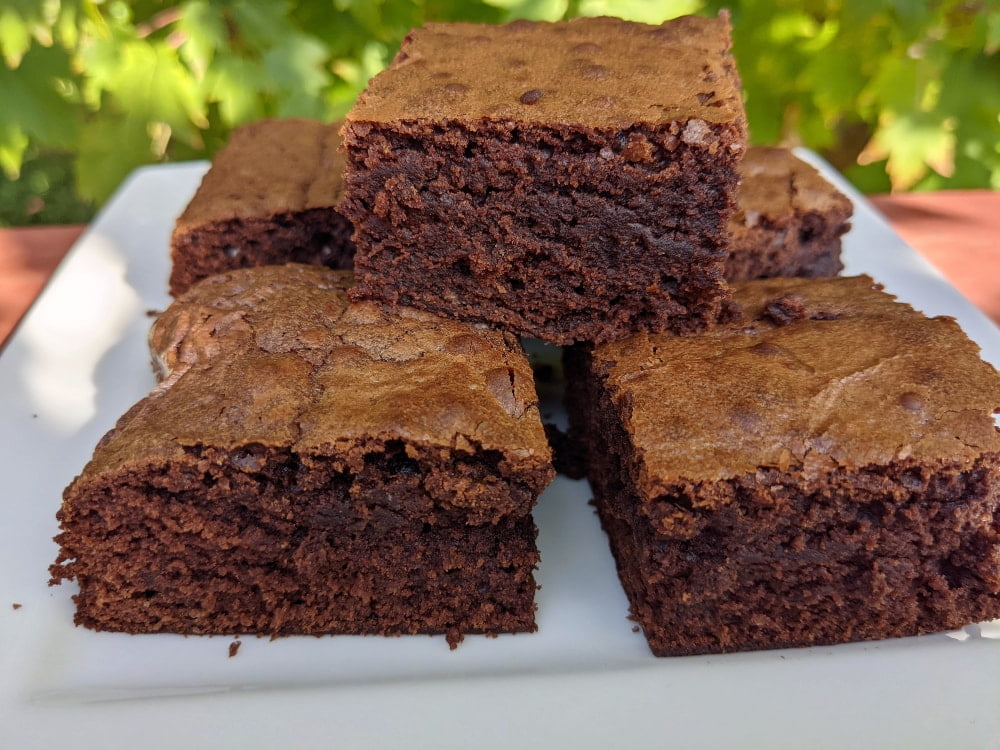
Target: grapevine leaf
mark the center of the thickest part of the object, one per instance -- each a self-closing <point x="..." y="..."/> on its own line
<point x="110" y="148"/>
<point x="534" y="10"/>
<point x="31" y="100"/>
<point x="339" y="30"/>
<point x="461" y="10"/>
<point x="373" y="58"/>
<point x="296" y="66"/>
<point x="834" y="80"/>
<point x="15" y="37"/>
<point x="643" y="11"/>
<point x="992" y="33"/>
<point x="67" y="25"/>
<point x="894" y="87"/>
<point x="101" y="58"/>
<point x="792" y="26"/>
<point x="13" y="143"/>
<point x="151" y="85"/>
<point x="203" y="30"/>
<point x="367" y="14"/>
<point x="910" y="144"/>
<point x="263" y="23"/>
<point x="238" y="85"/>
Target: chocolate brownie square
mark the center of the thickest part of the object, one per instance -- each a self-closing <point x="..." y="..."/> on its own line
<point x="789" y="221"/>
<point x="826" y="471"/>
<point x="308" y="465"/>
<point x="269" y="198"/>
<point x="567" y="181"/>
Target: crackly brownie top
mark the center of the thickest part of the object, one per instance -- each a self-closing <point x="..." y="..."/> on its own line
<point x="777" y="185"/>
<point x="270" y="167"/>
<point x="821" y="373"/>
<point x="595" y="72"/>
<point x="276" y="356"/>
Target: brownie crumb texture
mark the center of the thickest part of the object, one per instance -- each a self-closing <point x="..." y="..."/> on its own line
<point x="312" y="466"/>
<point x="789" y="220"/>
<point x="548" y="178"/>
<point x="568" y="457"/>
<point x="826" y="471"/>
<point x="270" y="197"/>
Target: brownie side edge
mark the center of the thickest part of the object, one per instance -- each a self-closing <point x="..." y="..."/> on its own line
<point x="315" y="236"/>
<point x="560" y="236"/>
<point x="263" y="541"/>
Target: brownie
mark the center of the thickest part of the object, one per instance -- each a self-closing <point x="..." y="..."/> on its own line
<point x="269" y="197"/>
<point x="789" y="221"/>
<point x="308" y="465"/>
<point x="567" y="181"/>
<point x="825" y="471"/>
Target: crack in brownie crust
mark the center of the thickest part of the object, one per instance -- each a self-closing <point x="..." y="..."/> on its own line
<point x="825" y="475"/>
<point x="270" y="197"/>
<point x="506" y="199"/>
<point x="308" y="465"/>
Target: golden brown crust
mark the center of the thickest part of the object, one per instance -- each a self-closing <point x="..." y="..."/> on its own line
<point x="827" y="373"/>
<point x="598" y="72"/>
<point x="277" y="356"/>
<point x="269" y="167"/>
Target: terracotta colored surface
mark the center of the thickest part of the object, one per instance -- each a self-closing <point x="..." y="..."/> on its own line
<point x="958" y="231"/>
<point x="28" y="256"/>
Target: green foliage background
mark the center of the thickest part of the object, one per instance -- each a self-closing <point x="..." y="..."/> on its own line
<point x="900" y="94"/>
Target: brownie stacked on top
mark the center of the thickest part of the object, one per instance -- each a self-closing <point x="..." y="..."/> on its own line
<point x="568" y="181"/>
<point x="309" y="465"/>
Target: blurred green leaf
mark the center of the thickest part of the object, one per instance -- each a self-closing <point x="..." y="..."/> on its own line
<point x="792" y="27"/>
<point x="44" y="194"/>
<point x="32" y="106"/>
<point x="910" y="144"/>
<point x="461" y="10"/>
<point x="296" y="64"/>
<point x="533" y="10"/>
<point x="835" y="83"/>
<point x="13" y="143"/>
<point x="109" y="149"/>
<point x="236" y="85"/>
<point x="911" y="89"/>
<point x="263" y="23"/>
<point x="203" y="30"/>
<point x="67" y="24"/>
<point x="642" y="11"/>
<point x="895" y="87"/>
<point x="150" y="85"/>
<point x="356" y="74"/>
<point x="15" y="38"/>
<point x="381" y="19"/>
<point x="992" y="33"/>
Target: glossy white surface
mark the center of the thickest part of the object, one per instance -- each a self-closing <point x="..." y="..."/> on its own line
<point x="79" y="360"/>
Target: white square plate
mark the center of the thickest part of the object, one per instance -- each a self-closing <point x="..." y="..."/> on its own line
<point x="584" y="680"/>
